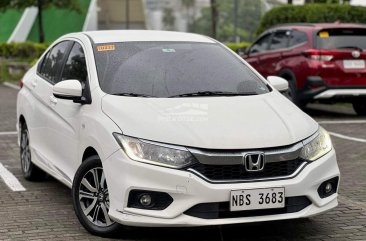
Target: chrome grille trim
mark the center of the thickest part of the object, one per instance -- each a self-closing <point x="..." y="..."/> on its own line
<point x="236" y="157"/>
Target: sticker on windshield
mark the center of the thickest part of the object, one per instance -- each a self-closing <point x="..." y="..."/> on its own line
<point x="108" y="47"/>
<point x="324" y="34"/>
<point x="166" y="50"/>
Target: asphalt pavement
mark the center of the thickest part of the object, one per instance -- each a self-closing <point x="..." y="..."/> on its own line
<point x="44" y="210"/>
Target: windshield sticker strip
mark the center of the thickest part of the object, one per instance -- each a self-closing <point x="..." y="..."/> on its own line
<point x="106" y="47"/>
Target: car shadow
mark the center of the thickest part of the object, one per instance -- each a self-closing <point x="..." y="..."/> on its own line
<point x="285" y="230"/>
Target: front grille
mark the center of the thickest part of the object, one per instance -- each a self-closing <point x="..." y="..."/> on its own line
<point x="238" y="172"/>
<point x="222" y="209"/>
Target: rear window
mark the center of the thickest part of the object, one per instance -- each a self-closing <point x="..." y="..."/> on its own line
<point x="341" y="38"/>
<point x="165" y="69"/>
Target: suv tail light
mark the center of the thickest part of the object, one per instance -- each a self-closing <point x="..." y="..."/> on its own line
<point x="320" y="55"/>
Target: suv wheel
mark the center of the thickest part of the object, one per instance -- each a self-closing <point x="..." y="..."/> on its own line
<point x="30" y="171"/>
<point x="360" y="107"/>
<point x="292" y="92"/>
<point x="91" y="198"/>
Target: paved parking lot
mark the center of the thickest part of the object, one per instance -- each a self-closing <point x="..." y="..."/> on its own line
<point x="44" y="211"/>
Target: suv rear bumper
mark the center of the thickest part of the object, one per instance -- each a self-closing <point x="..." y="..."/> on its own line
<point x="344" y="93"/>
<point x="316" y="88"/>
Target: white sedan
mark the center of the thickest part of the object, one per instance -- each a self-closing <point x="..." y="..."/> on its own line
<point x="153" y="128"/>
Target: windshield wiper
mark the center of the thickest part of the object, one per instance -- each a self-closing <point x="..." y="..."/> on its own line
<point x="212" y="93"/>
<point x="132" y="95"/>
<point x="350" y="47"/>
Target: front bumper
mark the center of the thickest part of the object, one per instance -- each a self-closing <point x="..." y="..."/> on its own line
<point x="188" y="190"/>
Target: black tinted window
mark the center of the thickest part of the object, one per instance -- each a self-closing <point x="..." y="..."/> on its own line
<point x="75" y="67"/>
<point x="261" y="45"/>
<point x="297" y="37"/>
<point x="351" y="38"/>
<point x="279" y="40"/>
<point x="163" y="69"/>
<point x="53" y="62"/>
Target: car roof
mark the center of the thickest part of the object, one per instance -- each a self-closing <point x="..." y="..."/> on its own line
<point x="111" y="36"/>
<point x="317" y="26"/>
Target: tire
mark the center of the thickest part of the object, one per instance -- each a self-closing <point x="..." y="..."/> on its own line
<point x="91" y="199"/>
<point x="30" y="171"/>
<point x="292" y="93"/>
<point x="360" y="107"/>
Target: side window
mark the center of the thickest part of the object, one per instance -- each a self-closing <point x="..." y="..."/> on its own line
<point x="279" y="40"/>
<point x="261" y="45"/>
<point x="297" y="37"/>
<point x="41" y="63"/>
<point x="53" y="61"/>
<point x="75" y="67"/>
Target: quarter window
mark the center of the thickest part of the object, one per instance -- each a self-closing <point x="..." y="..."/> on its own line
<point x="75" y="67"/>
<point x="53" y="61"/>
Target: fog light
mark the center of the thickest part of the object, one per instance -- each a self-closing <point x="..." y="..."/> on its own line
<point x="145" y="200"/>
<point x="150" y="200"/>
<point x="328" y="187"/>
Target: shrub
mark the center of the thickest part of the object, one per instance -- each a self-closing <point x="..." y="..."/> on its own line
<point x="312" y="13"/>
<point x="235" y="46"/>
<point x="26" y="50"/>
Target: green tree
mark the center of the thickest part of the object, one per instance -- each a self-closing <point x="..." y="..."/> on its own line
<point x="249" y="15"/>
<point x="327" y="1"/>
<point x="41" y="5"/>
<point x="188" y="6"/>
<point x="168" y="18"/>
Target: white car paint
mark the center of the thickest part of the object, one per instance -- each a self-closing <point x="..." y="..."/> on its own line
<point x="230" y="121"/>
<point x="61" y="131"/>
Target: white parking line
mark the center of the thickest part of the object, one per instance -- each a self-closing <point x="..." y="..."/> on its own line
<point x="343" y="122"/>
<point x="347" y="137"/>
<point x="10" y="180"/>
<point x="5" y="133"/>
<point x="13" y="86"/>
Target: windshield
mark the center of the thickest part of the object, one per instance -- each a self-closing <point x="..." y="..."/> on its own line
<point x="171" y="69"/>
<point x="339" y="38"/>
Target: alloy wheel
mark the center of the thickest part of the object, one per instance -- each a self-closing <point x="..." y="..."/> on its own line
<point x="25" y="155"/>
<point x="94" y="197"/>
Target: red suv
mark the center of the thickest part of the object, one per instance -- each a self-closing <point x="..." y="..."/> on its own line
<point x="324" y="62"/>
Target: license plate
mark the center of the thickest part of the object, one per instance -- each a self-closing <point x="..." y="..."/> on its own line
<point x="354" y="64"/>
<point x="262" y="198"/>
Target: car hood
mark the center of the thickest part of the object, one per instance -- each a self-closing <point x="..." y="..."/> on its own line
<point x="237" y="122"/>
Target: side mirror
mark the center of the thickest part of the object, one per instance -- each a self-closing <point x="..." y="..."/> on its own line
<point x="242" y="51"/>
<point x="279" y="83"/>
<point x="68" y="89"/>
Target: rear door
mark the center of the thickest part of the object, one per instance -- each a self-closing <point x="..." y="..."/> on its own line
<point x="344" y="56"/>
<point x="48" y="71"/>
<point x="64" y="124"/>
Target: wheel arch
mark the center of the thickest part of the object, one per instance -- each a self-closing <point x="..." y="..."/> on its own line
<point x="288" y="75"/>
<point x="88" y="152"/>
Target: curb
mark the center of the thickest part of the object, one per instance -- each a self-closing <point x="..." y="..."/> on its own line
<point x="10" y="85"/>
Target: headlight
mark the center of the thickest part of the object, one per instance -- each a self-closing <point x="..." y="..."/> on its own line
<point x="154" y="153"/>
<point x="317" y="147"/>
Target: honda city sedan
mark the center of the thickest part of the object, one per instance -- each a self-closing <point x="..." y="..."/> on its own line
<point x="153" y="128"/>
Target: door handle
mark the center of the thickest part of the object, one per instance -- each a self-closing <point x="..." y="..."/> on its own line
<point x="53" y="100"/>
